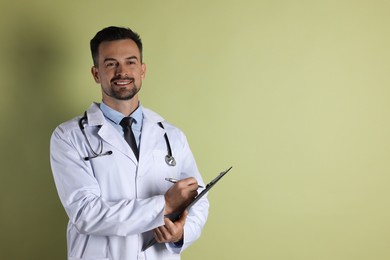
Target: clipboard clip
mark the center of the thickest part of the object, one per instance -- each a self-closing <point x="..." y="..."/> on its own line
<point x="213" y="182"/>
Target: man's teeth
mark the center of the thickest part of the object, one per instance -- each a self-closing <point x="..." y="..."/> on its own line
<point x="121" y="83"/>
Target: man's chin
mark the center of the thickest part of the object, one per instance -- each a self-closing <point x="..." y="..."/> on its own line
<point x="124" y="95"/>
<point x="124" y="98"/>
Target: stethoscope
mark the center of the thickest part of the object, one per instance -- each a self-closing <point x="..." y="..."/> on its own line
<point x="169" y="159"/>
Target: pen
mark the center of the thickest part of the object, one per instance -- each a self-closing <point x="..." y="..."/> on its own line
<point x="175" y="180"/>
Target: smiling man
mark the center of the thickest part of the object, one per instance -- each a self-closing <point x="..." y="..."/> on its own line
<point x="110" y="166"/>
<point x="119" y="70"/>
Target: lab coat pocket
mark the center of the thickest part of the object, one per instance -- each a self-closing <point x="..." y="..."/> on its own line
<point x="115" y="174"/>
<point x="162" y="165"/>
<point x="163" y="170"/>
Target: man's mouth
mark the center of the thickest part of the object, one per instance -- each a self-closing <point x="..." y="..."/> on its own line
<point x="122" y="82"/>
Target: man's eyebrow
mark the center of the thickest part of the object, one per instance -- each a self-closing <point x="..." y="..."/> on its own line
<point x="109" y="59"/>
<point x="132" y="57"/>
<point x="128" y="58"/>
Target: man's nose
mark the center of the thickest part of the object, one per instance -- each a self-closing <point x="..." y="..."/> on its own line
<point x="120" y="71"/>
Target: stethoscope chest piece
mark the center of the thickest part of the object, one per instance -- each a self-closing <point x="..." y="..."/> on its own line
<point x="170" y="160"/>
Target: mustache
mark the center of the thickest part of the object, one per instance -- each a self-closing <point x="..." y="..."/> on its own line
<point x="122" y="78"/>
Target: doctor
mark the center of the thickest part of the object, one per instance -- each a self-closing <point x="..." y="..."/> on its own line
<point x="115" y="195"/>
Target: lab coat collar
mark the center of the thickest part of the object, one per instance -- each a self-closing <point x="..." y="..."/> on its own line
<point x="95" y="115"/>
<point x="153" y="117"/>
<point x="107" y="132"/>
<point x="151" y="133"/>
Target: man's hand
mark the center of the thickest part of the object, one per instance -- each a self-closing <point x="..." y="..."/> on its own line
<point x="171" y="231"/>
<point x="180" y="195"/>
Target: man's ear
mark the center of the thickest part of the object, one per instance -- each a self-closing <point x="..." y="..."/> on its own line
<point x="143" y="70"/>
<point x="95" y="74"/>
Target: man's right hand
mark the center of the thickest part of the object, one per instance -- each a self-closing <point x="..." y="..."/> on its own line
<point x="180" y="195"/>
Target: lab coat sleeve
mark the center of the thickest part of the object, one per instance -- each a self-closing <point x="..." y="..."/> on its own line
<point x="81" y="197"/>
<point x="198" y="213"/>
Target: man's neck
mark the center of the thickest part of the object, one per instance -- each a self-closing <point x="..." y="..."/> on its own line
<point x="126" y="107"/>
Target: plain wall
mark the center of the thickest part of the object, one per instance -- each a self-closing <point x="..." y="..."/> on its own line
<point x="293" y="94"/>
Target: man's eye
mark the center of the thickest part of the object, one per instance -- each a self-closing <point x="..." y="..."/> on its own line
<point x="110" y="64"/>
<point x="131" y="62"/>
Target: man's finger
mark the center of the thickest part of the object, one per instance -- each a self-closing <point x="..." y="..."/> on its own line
<point x="161" y="234"/>
<point x="189" y="181"/>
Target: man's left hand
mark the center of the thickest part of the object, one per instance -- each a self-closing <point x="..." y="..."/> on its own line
<point x="171" y="231"/>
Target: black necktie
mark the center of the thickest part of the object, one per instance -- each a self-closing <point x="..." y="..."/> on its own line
<point x="129" y="135"/>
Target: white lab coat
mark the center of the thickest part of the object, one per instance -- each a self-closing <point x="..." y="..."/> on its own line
<point x="113" y="202"/>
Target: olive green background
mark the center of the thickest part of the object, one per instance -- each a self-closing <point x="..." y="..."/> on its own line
<point x="293" y="94"/>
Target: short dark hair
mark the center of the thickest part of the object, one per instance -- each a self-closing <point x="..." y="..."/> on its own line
<point x="113" y="33"/>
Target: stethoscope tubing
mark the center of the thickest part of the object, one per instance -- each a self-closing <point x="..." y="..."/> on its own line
<point x="169" y="159"/>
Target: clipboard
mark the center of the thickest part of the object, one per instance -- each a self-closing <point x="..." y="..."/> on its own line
<point x="175" y="216"/>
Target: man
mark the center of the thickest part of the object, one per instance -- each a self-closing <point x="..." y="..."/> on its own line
<point x="110" y="166"/>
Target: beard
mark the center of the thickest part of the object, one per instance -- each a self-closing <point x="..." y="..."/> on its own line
<point x="122" y="92"/>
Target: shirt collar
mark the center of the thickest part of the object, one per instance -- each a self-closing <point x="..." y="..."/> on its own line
<point x="116" y="117"/>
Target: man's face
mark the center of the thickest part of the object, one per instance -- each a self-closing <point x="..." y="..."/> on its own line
<point x="120" y="71"/>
